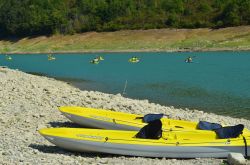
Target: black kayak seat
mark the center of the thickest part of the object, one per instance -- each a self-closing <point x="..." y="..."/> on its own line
<point x="153" y="130"/>
<point x="204" y="125"/>
<point x="230" y="131"/>
<point x="151" y="117"/>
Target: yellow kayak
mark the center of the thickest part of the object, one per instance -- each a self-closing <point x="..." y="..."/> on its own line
<point x="107" y="119"/>
<point x="94" y="61"/>
<point x="100" y="58"/>
<point x="134" y="60"/>
<point x="50" y="57"/>
<point x="8" y="57"/>
<point x="172" y="144"/>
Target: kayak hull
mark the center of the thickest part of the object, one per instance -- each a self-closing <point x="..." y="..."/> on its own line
<point x="145" y="151"/>
<point x="94" y="123"/>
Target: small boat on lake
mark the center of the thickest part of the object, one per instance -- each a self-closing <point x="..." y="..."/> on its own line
<point x="189" y="60"/>
<point x="7" y="57"/>
<point x="51" y="57"/>
<point x="100" y="58"/>
<point x="134" y="60"/>
<point x="95" y="61"/>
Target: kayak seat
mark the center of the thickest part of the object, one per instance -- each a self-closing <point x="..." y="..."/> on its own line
<point x="230" y="131"/>
<point x="204" y="125"/>
<point x="150" y="117"/>
<point x="151" y="131"/>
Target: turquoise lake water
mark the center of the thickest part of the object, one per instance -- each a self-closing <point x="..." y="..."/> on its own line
<point x="217" y="82"/>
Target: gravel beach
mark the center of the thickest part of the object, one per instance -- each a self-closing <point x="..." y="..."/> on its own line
<point x="29" y="103"/>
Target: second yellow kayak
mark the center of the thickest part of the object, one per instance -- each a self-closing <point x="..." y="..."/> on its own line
<point x="107" y="119"/>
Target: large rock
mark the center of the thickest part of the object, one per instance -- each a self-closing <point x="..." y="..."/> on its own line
<point x="236" y="159"/>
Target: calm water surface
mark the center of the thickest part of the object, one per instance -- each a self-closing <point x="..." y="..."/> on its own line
<point x="217" y="82"/>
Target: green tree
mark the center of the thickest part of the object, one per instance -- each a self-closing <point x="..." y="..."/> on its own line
<point x="36" y="17"/>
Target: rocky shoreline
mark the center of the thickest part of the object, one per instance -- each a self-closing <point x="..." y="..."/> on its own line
<point x="29" y="102"/>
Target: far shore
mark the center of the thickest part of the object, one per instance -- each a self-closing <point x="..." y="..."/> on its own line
<point x="126" y="51"/>
<point x="153" y="40"/>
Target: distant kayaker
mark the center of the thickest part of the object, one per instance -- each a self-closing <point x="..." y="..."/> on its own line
<point x="189" y="60"/>
<point x="134" y="59"/>
<point x="51" y="57"/>
<point x="7" y="57"/>
<point x="96" y="59"/>
<point x="100" y="58"/>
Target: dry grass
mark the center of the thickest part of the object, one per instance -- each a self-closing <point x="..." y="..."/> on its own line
<point x="135" y="40"/>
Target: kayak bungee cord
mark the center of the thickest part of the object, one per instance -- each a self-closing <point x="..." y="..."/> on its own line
<point x="178" y="143"/>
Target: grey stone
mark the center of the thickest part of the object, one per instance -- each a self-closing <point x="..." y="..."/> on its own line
<point x="236" y="159"/>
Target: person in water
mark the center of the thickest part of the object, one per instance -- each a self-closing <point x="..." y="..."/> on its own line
<point x="134" y="58"/>
<point x="189" y="59"/>
<point x="95" y="59"/>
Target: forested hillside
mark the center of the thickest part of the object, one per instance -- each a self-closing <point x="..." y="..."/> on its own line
<point x="45" y="17"/>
